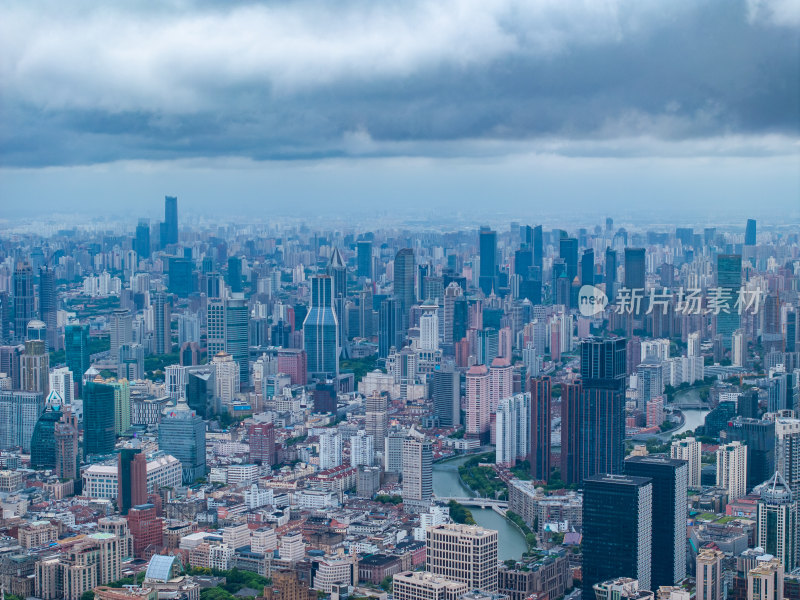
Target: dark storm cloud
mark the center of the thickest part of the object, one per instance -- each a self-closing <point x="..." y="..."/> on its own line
<point x="297" y="80"/>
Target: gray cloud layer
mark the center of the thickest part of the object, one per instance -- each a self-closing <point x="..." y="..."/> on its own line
<point x="85" y="85"/>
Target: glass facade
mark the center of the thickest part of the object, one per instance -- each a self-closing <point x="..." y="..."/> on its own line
<point x="98" y="418"/>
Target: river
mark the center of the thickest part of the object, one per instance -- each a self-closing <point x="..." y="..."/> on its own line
<point x="511" y="542"/>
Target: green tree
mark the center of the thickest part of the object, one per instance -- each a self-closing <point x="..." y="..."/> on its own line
<point x="87" y="595"/>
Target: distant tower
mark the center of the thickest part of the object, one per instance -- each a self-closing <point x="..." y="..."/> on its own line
<point x="404" y="283"/>
<point x="729" y="279"/>
<point x="447" y="395"/>
<point x="142" y="241"/>
<point x="390" y="327"/>
<point x="320" y="330"/>
<point x="43" y="442"/>
<point x="170" y="220"/>
<point x="182" y="433"/>
<point x="98" y="418"/>
<point x="750" y="233"/>
<point x="777" y="521"/>
<point x="48" y="307"/>
<point x="365" y="259"/>
<point x="24" y="301"/>
<point x="76" y="347"/>
<point x="35" y="363"/>
<point x="487" y="242"/>
<point x="540" y="428"/>
<point x="234" y="279"/>
<point x="162" y="316"/>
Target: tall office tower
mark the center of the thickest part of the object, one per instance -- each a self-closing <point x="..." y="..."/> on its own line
<point x="670" y="499"/>
<point x="750" y="233"/>
<point x="162" y="316"/>
<point x="19" y="412"/>
<point x="215" y="326"/>
<point x="261" y="437"/>
<point x="791" y="331"/>
<point x="182" y="433"/>
<point x="24" y="300"/>
<point x="48" y="306"/>
<point x="337" y="269"/>
<point x="787" y="452"/>
<point x="393" y="451"/>
<point x="362" y="449"/>
<point x="512" y="429"/>
<point x="523" y="261"/>
<point x="98" y="418"/>
<point x="131" y="479"/>
<point x="170" y="221"/>
<point x="487" y="241"/>
<point x="709" y="574"/>
<point x="377" y="418"/>
<point x="131" y="362"/>
<point x="181" y="280"/>
<point x="175" y="381"/>
<point x="777" y="521"/>
<point x="390" y="327"/>
<point x="602" y="411"/>
<point x="61" y="383"/>
<point x="35" y="367"/>
<point x="587" y="267"/>
<point x="120" y="327"/>
<point x="43" y="442"/>
<point x="611" y="274"/>
<point x="772" y="336"/>
<point x="765" y="581"/>
<point x="568" y="251"/>
<point x="729" y="280"/>
<point x="330" y="450"/>
<point x="759" y="438"/>
<point x="571" y="394"/>
<point x="122" y="406"/>
<point x="226" y="377"/>
<point x="417" y="471"/>
<point x="627" y="502"/>
<point x="66" y="442"/>
<point x="465" y="553"/>
<point x="11" y="363"/>
<point x="478" y="402"/>
<point x="364" y="250"/>
<point x="320" y="330"/>
<point x="76" y="352"/>
<point x="404" y="283"/>
<point x="234" y="276"/>
<point x="447" y="395"/>
<point x="649" y="382"/>
<point x="538" y="253"/>
<point x="142" y="241"/>
<point x="732" y="469"/>
<point x="540" y="428"/>
<point x="429" y="328"/>
<point x="237" y="317"/>
<point x="689" y="449"/>
<point x="6" y="318"/>
<point x="635" y="272"/>
<point x="201" y="389"/>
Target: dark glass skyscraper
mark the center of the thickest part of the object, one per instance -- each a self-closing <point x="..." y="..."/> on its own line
<point x="729" y="279"/>
<point x="617" y="529"/>
<point x="131" y="479"/>
<point x="234" y="277"/>
<point x="587" y="267"/>
<point x="568" y="251"/>
<point x="571" y="394"/>
<point x="48" y="309"/>
<point x="142" y="241"/>
<point x="365" y="259"/>
<point x="320" y="330"/>
<point x="390" y="331"/>
<point x="540" y="428"/>
<point x="170" y="220"/>
<point x="487" y="280"/>
<point x="237" y="331"/>
<point x="611" y="274"/>
<point x="634" y="268"/>
<point x="76" y="347"/>
<point x="447" y="395"/>
<point x="162" y="316"/>
<point x="43" y="442"/>
<point x="668" y="551"/>
<point x="602" y="418"/>
<point x="750" y="233"/>
<point x="98" y="418"/>
<point x="182" y="433"/>
<point x="404" y="282"/>
<point x="180" y="276"/>
<point x="759" y="438"/>
<point x="24" y="301"/>
<point x="538" y="250"/>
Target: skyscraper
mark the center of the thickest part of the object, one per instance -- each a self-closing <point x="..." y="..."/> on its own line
<point x="602" y="410"/>
<point x="538" y="254"/>
<point x="571" y="394"/>
<point x="750" y="233"/>
<point x="362" y="449"/>
<point x="404" y="283"/>
<point x="19" y="413"/>
<point x="447" y="395"/>
<point x="512" y="429"/>
<point x="477" y="424"/>
<point x="429" y="328"/>
<point x="24" y="301"/>
<point x="98" y="418"/>
<point x="162" y="316"/>
<point x="170" y="220"/>
<point x="689" y="450"/>
<point x="390" y="327"/>
<point x="668" y="551"/>
<point x="568" y="251"/>
<point x="487" y="280"/>
<point x="611" y="274"/>
<point x="182" y="433"/>
<point x="777" y="521"/>
<point x="76" y="347"/>
<point x="465" y="553"/>
<point x="237" y="317"/>
<point x="365" y="258"/>
<point x="729" y="280"/>
<point x="320" y="330"/>
<point x="377" y="418"/>
<point x="66" y="444"/>
<point x="43" y="442"/>
<point x="732" y="469"/>
<point x="120" y="328"/>
<point x="262" y="443"/>
<point x="759" y="438"/>
<point x="48" y="307"/>
<point x="587" y="267"/>
<point x="35" y="367"/>
<point x="417" y="471"/>
<point x="540" y="428"/>
<point x="142" y="241"/>
<point x="330" y="449"/>
<point x="131" y="479"/>
<point x="234" y="278"/>
<point x="635" y="268"/>
<point x="627" y="502"/>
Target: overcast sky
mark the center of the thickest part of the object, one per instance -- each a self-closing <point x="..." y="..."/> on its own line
<point x="535" y="106"/>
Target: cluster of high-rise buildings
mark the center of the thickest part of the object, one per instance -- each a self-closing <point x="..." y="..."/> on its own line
<point x="277" y="400"/>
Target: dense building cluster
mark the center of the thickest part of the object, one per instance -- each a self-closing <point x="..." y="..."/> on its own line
<point x="348" y="413"/>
